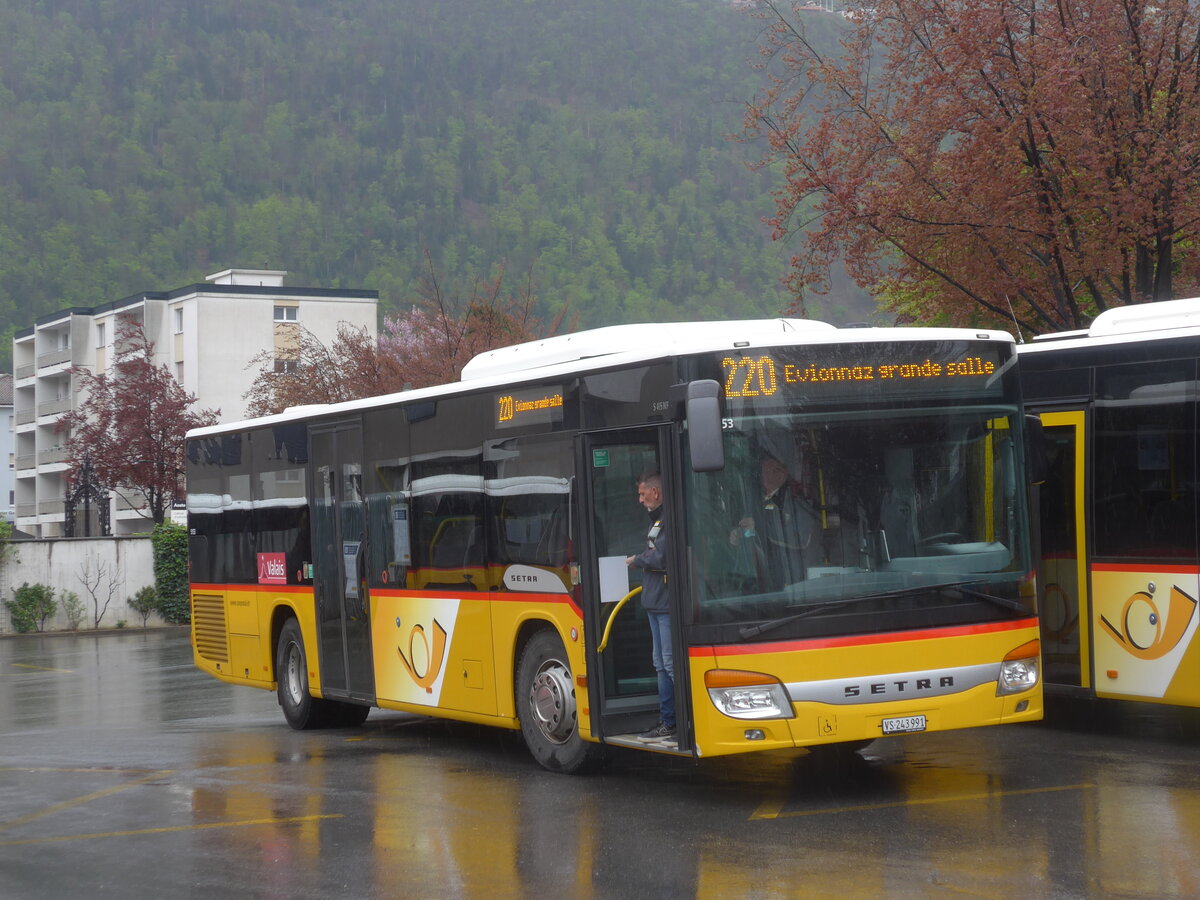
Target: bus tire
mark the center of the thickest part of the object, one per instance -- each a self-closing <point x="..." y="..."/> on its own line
<point x="547" y="708"/>
<point x="301" y="709"/>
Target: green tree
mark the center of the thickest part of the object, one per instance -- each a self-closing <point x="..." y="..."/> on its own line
<point x="31" y="606"/>
<point x="145" y="602"/>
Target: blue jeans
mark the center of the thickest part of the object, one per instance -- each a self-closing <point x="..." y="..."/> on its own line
<point x="660" y="639"/>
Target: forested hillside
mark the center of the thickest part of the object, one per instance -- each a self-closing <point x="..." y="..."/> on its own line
<point x="145" y="143"/>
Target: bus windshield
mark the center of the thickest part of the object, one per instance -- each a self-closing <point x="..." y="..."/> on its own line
<point x="822" y="523"/>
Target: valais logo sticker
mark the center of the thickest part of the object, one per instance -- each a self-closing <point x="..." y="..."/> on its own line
<point x="272" y="568"/>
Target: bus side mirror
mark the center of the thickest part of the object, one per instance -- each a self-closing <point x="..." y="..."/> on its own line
<point x="1036" y="458"/>
<point x="705" y="446"/>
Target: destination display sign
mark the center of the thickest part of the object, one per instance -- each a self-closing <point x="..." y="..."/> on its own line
<point x="529" y="406"/>
<point x="894" y="369"/>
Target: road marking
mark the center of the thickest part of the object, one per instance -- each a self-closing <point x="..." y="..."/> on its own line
<point x="43" y="668"/>
<point x="169" y="829"/>
<point x="86" y="798"/>
<point x="771" y="807"/>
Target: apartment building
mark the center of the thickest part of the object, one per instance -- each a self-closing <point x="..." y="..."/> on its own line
<point x="7" y="456"/>
<point x="206" y="334"/>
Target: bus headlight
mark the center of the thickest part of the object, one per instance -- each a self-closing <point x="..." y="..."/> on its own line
<point x="1019" y="671"/>
<point x="747" y="695"/>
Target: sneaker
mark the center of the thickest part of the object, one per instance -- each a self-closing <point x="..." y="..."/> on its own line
<point x="660" y="733"/>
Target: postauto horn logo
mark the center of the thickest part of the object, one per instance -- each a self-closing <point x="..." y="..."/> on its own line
<point x="1146" y="631"/>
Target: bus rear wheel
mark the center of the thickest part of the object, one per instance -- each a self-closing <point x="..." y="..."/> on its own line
<point x="547" y="708"/>
<point x="301" y="709"/>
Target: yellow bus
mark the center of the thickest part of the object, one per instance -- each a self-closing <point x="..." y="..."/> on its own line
<point x="1119" y="563"/>
<point x="460" y="551"/>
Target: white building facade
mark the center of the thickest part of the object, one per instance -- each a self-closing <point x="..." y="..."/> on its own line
<point x="206" y="334"/>
<point x="7" y="456"/>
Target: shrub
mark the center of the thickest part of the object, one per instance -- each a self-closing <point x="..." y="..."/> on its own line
<point x="171" y="572"/>
<point x="144" y="602"/>
<point x="31" y="606"/>
<point x="72" y="608"/>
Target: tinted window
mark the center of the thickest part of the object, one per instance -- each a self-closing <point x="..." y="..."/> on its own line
<point x="219" y="503"/>
<point x="281" y="515"/>
<point x="446" y="489"/>
<point x="386" y="484"/>
<point x="1144" y="470"/>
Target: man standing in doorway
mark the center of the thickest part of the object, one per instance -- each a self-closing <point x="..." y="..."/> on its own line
<point x="653" y="563"/>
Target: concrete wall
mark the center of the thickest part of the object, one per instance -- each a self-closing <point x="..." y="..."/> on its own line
<point x="124" y="563"/>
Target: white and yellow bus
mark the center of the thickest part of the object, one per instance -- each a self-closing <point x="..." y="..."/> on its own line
<point x="1119" y="564"/>
<point x="459" y="551"/>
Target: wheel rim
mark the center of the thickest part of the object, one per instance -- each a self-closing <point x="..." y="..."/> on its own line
<point x="293" y="675"/>
<point x="552" y="701"/>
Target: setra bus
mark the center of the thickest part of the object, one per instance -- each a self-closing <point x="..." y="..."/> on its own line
<point x="1119" y="563"/>
<point x="459" y="551"/>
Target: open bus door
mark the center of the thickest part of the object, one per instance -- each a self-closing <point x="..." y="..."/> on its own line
<point x="1062" y="555"/>
<point x="622" y="683"/>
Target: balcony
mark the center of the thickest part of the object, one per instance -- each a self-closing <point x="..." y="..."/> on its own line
<point x="54" y="358"/>
<point x="53" y="407"/>
<point x="51" y="507"/>
<point x="24" y="416"/>
<point x="134" y="501"/>
<point x="25" y="371"/>
<point x="53" y="455"/>
<point x="26" y="461"/>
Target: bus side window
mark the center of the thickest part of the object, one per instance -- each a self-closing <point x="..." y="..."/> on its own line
<point x="1145" y="471"/>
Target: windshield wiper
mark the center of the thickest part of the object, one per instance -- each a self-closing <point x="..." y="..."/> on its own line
<point x="995" y="600"/>
<point x="749" y="631"/>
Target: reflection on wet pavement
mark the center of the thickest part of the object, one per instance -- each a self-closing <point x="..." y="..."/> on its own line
<point x="123" y="771"/>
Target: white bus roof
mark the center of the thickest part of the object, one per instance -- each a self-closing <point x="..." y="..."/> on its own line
<point x="1141" y="321"/>
<point x="621" y="345"/>
<point x="679" y="337"/>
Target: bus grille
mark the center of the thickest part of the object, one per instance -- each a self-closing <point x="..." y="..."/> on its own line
<point x="208" y="626"/>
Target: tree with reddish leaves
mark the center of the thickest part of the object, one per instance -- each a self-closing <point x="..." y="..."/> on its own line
<point x="970" y="160"/>
<point x="351" y="366"/>
<point x="425" y="346"/>
<point x="130" y="425"/>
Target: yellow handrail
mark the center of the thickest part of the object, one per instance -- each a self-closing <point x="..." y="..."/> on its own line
<point x="613" y="616"/>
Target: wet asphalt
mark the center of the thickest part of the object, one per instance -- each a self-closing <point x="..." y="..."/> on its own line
<point x="124" y="772"/>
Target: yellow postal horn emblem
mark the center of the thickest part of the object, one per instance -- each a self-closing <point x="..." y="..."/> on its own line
<point x="435" y="657"/>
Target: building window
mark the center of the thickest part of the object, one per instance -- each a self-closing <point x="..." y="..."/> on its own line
<point x="99" y="334"/>
<point x="286" y="313"/>
<point x="286" y="366"/>
<point x="179" y="320"/>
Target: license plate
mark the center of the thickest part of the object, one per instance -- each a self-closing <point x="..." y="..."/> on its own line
<point x="903" y="724"/>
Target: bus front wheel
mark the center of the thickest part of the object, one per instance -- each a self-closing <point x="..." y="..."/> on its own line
<point x="547" y="708"/>
<point x="301" y="709"/>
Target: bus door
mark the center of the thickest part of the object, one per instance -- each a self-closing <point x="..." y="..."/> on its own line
<point x="622" y="683"/>
<point x="1062" y="561"/>
<point x="339" y="573"/>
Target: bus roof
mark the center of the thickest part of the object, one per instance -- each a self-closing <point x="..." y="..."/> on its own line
<point x="616" y="345"/>
<point x="680" y="337"/>
<point x="1141" y="321"/>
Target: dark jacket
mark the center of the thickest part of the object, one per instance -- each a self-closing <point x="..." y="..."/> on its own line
<point x="653" y="563"/>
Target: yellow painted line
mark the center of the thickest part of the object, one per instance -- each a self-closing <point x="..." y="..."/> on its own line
<point x="43" y="668"/>
<point x="770" y="808"/>
<point x="169" y="829"/>
<point x="86" y="798"/>
<point x="101" y="770"/>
